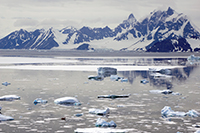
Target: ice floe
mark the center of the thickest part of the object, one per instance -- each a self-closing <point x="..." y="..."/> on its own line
<point x="164" y="92"/>
<point x="99" y="111"/>
<point x="6" y="83"/>
<point x="168" y="112"/>
<point x="68" y="101"/>
<point x="5" y="118"/>
<point x="39" y="100"/>
<point x="102" y="123"/>
<point x="9" y="97"/>
<point x="114" y="96"/>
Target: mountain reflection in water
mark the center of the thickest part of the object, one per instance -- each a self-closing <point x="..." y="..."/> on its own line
<point x="160" y="79"/>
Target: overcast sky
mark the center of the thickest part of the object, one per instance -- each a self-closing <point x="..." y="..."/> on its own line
<point x="31" y="14"/>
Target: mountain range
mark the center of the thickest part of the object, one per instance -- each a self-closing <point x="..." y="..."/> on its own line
<point x="160" y="31"/>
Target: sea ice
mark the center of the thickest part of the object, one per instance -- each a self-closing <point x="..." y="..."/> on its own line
<point x="124" y="80"/>
<point x="99" y="111"/>
<point x="164" y="92"/>
<point x="98" y="77"/>
<point x="68" y="101"/>
<point x="102" y="123"/>
<point x="144" y="81"/>
<point x="193" y="113"/>
<point x="114" y="77"/>
<point x="168" y="112"/>
<point x="39" y="100"/>
<point x="6" y="83"/>
<point x="5" y="118"/>
<point x="114" y="96"/>
<point x="193" y="59"/>
<point x="9" y="98"/>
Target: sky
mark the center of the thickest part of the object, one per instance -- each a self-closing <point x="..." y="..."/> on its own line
<point x="32" y="14"/>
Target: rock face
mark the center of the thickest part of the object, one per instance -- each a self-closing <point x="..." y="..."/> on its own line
<point x="160" y="31"/>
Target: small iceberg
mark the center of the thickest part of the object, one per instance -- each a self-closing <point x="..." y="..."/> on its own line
<point x="9" y="98"/>
<point x="99" y="111"/>
<point x="193" y="59"/>
<point x="114" y="96"/>
<point x="78" y="115"/>
<point x="193" y="113"/>
<point x="164" y="92"/>
<point x="5" y="118"/>
<point x="124" y="80"/>
<point x="144" y="81"/>
<point x="117" y="78"/>
<point x="39" y="100"/>
<point x="97" y="78"/>
<point x="114" y="77"/>
<point x="67" y="101"/>
<point x="168" y="112"/>
<point x="6" y="83"/>
<point x="102" y="123"/>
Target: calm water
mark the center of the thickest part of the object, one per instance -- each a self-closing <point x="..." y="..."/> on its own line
<point x="141" y="111"/>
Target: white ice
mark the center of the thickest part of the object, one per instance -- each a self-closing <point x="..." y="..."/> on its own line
<point x="9" y="97"/>
<point x="5" y="118"/>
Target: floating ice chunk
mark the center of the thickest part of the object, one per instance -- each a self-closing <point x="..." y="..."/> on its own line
<point x="193" y="59"/>
<point x="78" y="115"/>
<point x="98" y="77"/>
<point x="164" y="92"/>
<point x="114" y="96"/>
<point x="68" y="101"/>
<point x="39" y="100"/>
<point x="161" y="91"/>
<point x="9" y="98"/>
<point x="0" y="107"/>
<point x="6" y="83"/>
<point x="114" y="77"/>
<point x="102" y="123"/>
<point x="144" y="81"/>
<point x="5" y="118"/>
<point x="168" y="112"/>
<point x="198" y="131"/>
<point x="117" y="78"/>
<point x="124" y="80"/>
<point x="99" y="111"/>
<point x="193" y="113"/>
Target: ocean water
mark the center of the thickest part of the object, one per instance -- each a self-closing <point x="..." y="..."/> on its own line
<point x="52" y="78"/>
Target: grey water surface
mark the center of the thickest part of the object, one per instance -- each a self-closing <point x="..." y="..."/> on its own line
<point x="141" y="111"/>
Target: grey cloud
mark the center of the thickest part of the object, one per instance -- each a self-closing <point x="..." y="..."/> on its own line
<point x="25" y="22"/>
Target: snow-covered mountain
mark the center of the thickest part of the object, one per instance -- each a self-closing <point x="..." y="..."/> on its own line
<point x="22" y="39"/>
<point x="160" y="31"/>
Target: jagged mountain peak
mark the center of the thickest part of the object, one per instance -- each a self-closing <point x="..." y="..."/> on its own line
<point x="131" y="16"/>
<point x="68" y="29"/>
<point x="170" y="11"/>
<point x="131" y="20"/>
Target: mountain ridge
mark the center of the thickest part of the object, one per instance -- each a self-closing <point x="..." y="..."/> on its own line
<point x="153" y="33"/>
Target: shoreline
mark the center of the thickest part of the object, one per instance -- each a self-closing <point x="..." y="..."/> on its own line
<point x="83" y="53"/>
